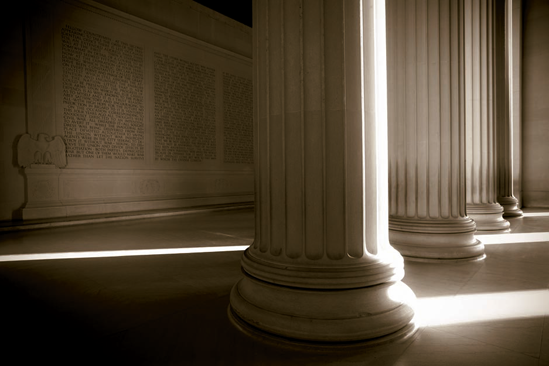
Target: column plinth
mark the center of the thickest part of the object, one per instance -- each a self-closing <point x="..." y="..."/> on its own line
<point x="428" y="219"/>
<point x="434" y="240"/>
<point x="488" y="216"/>
<point x="324" y="313"/>
<point x="321" y="268"/>
<point x="482" y="205"/>
<point x="510" y="206"/>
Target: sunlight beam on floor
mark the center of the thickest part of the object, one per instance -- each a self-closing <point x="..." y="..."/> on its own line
<point x="117" y="253"/>
<point x="512" y="238"/>
<point x="535" y="214"/>
<point x="469" y="308"/>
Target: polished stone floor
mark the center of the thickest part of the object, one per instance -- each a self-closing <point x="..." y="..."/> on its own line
<point x="132" y="293"/>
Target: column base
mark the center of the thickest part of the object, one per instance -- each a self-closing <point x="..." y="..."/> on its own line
<point x="322" y="274"/>
<point x="435" y="240"/>
<point x="256" y="333"/>
<point x="376" y="313"/>
<point x="510" y="206"/>
<point x="488" y="216"/>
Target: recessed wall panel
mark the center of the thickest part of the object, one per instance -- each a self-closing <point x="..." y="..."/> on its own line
<point x="129" y="98"/>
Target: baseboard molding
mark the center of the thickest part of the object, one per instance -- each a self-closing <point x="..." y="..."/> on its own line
<point x="122" y="216"/>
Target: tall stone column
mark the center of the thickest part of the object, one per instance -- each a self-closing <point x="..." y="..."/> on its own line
<point x="482" y="205"/>
<point x="503" y="121"/>
<point x="321" y="267"/>
<point x="428" y="219"/>
<point x="514" y="47"/>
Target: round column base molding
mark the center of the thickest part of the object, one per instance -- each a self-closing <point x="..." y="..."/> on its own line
<point x="322" y="347"/>
<point x="347" y="273"/>
<point x="488" y="216"/>
<point x="436" y="247"/>
<point x="432" y="240"/>
<point x="459" y="225"/>
<point x="510" y="206"/>
<point x="309" y="315"/>
<point x="444" y="260"/>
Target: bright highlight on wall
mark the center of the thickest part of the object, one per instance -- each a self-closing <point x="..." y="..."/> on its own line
<point x="469" y="308"/>
<point x="118" y="253"/>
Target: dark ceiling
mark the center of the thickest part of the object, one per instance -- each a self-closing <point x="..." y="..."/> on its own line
<point x="239" y="10"/>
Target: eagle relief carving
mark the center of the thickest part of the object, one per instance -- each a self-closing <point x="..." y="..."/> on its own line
<point x="44" y="150"/>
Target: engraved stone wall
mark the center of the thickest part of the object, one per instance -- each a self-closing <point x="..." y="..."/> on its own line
<point x="139" y="107"/>
<point x="184" y="110"/>
<point x="103" y="106"/>
<point x="237" y="119"/>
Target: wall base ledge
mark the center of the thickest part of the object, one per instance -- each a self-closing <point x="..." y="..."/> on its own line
<point x="63" y="220"/>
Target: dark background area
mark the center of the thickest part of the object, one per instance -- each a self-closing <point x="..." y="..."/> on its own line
<point x="241" y="10"/>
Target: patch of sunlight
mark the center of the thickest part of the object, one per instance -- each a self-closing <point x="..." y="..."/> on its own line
<point x="511" y="238"/>
<point x="117" y="253"/>
<point x="469" y="308"/>
<point x="535" y="214"/>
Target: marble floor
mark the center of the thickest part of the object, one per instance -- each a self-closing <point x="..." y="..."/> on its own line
<point x="155" y="292"/>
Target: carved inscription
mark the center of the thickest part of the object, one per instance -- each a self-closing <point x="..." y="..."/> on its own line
<point x="184" y="110"/>
<point x="103" y="106"/>
<point x="237" y="119"/>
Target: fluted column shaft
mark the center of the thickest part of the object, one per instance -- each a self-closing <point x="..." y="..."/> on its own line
<point x="482" y="205"/>
<point x="514" y="47"/>
<point x="321" y="267"/>
<point x="428" y="219"/>
<point x="504" y="30"/>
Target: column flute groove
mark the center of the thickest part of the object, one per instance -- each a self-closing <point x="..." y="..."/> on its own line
<point x="437" y="227"/>
<point x="323" y="134"/>
<point x="283" y="133"/>
<point x="302" y="126"/>
<point x="345" y="250"/>
<point x="276" y="128"/>
<point x="414" y="125"/>
<point x="440" y="128"/>
<point x="332" y="277"/>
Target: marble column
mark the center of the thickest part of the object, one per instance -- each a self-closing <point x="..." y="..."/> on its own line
<point x="505" y="196"/>
<point x="481" y="175"/>
<point x="321" y="267"/>
<point x="428" y="219"/>
<point x="514" y="47"/>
